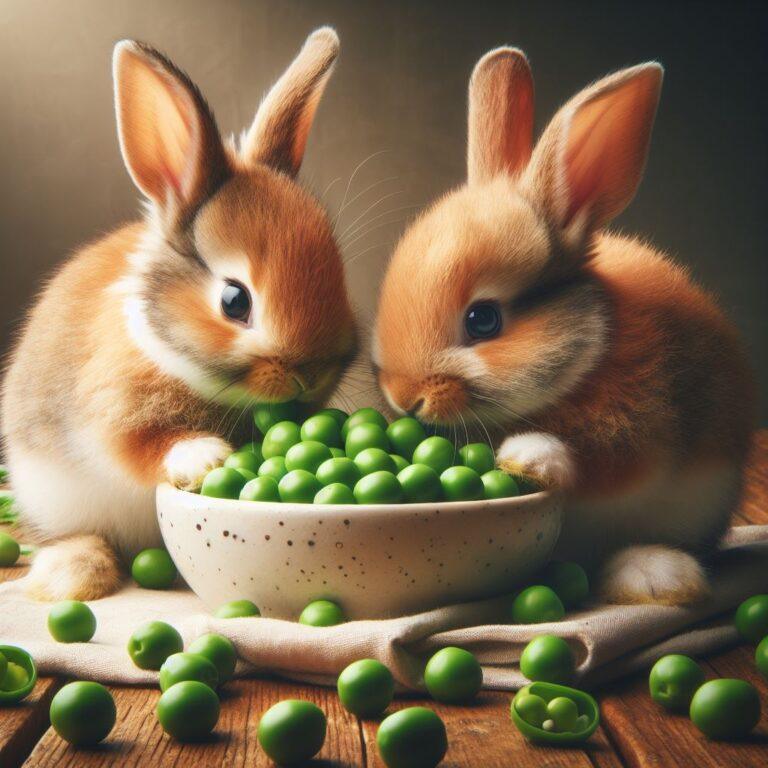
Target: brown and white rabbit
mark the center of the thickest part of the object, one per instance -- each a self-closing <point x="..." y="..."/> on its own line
<point x="146" y="348"/>
<point x="605" y="368"/>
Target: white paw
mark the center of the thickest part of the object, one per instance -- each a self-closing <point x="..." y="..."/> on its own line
<point x="538" y="456"/>
<point x="189" y="461"/>
<point x="653" y="574"/>
<point x="81" y="568"/>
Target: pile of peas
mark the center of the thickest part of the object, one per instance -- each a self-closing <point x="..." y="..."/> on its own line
<point x="333" y="458"/>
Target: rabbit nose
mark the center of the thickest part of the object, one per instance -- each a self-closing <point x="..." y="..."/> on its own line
<point x="415" y="408"/>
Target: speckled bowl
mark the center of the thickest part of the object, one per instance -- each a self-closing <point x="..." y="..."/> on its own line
<point x="376" y="561"/>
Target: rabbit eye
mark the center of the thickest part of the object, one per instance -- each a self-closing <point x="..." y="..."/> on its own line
<point x="236" y="302"/>
<point x="483" y="320"/>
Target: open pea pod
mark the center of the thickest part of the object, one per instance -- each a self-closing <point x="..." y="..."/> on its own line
<point x="18" y="656"/>
<point x="548" y="691"/>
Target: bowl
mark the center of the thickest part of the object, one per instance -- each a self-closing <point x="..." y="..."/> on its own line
<point x="376" y="561"/>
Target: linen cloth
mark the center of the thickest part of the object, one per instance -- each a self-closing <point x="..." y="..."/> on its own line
<point x="608" y="640"/>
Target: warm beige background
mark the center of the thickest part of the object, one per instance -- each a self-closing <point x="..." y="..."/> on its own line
<point x="400" y="87"/>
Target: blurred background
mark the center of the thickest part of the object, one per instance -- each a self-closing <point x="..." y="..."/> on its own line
<point x="390" y="133"/>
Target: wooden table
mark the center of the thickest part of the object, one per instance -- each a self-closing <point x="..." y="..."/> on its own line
<point x="634" y="732"/>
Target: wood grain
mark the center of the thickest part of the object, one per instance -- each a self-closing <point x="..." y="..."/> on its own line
<point x="483" y="735"/>
<point x="137" y="738"/>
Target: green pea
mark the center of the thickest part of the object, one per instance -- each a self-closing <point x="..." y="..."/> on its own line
<point x="548" y="659"/>
<point x="244" y="460"/>
<point x="219" y="651"/>
<point x="725" y="709"/>
<point x="292" y="731"/>
<point x="9" y="550"/>
<point x="363" y="416"/>
<point x="374" y="460"/>
<point x="461" y="484"/>
<point x="335" y="493"/>
<point x="400" y="462"/>
<point x="298" y="487"/>
<point x="71" y="621"/>
<point x="337" y="453"/>
<point x="261" y="489"/>
<point x="365" y="436"/>
<point x="83" y="713"/>
<point x="761" y="657"/>
<point x="378" y="488"/>
<point x="453" y="676"/>
<point x="339" y="470"/>
<point x="15" y="677"/>
<point x="188" y="711"/>
<point x="236" y="609"/>
<point x="266" y="415"/>
<point x="435" y="452"/>
<point x="307" y="455"/>
<point x="536" y="605"/>
<point x="19" y="674"/>
<point x="563" y="712"/>
<point x="567" y="580"/>
<point x="152" y="643"/>
<point x="478" y="456"/>
<point x="499" y="485"/>
<point x="420" y="484"/>
<point x="405" y="434"/>
<point x="322" y="613"/>
<point x="673" y="681"/>
<point x="246" y="473"/>
<point x="153" y="569"/>
<point x="322" y="428"/>
<point x="187" y="666"/>
<point x="279" y="438"/>
<point x="532" y="708"/>
<point x="252" y="447"/>
<point x="366" y="688"/>
<point x="751" y="618"/>
<point x="274" y="468"/>
<point x="223" y="483"/>
<point x="337" y="414"/>
<point x="412" y="738"/>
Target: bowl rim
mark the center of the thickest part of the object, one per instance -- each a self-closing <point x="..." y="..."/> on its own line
<point x="277" y="507"/>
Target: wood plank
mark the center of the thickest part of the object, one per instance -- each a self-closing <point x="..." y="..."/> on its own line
<point x="483" y="734"/>
<point x="754" y="507"/>
<point x="137" y="738"/>
<point x="645" y="735"/>
<point x="22" y="725"/>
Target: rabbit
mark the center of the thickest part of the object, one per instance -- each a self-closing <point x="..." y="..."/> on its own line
<point x="600" y="367"/>
<point x="146" y="349"/>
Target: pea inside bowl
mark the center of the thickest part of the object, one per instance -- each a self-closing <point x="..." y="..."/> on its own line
<point x="376" y="561"/>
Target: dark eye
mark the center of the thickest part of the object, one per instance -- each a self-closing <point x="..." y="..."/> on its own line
<point x="483" y="320"/>
<point x="235" y="302"/>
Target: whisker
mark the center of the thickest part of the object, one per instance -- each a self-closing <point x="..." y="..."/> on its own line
<point x="360" y="230"/>
<point x="351" y="179"/>
<point x="397" y="192"/>
<point x="370" y="187"/>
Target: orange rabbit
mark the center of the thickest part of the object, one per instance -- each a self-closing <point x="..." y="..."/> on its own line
<point x="603" y="367"/>
<point x="148" y="347"/>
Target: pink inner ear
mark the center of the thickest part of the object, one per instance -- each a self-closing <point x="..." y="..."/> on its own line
<point x="519" y="126"/>
<point x="606" y="148"/>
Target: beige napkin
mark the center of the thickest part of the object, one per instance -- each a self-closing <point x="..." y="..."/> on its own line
<point x="608" y="640"/>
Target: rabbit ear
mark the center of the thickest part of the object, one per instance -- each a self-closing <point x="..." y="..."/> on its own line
<point x="500" y="130"/>
<point x="589" y="161"/>
<point x="168" y="136"/>
<point x="279" y="132"/>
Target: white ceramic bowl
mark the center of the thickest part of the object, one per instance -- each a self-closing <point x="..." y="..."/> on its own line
<point x="376" y="561"/>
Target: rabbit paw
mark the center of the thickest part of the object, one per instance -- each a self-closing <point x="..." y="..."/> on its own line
<point x="188" y="461"/>
<point x="538" y="457"/>
<point x="80" y="568"/>
<point x="653" y="574"/>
